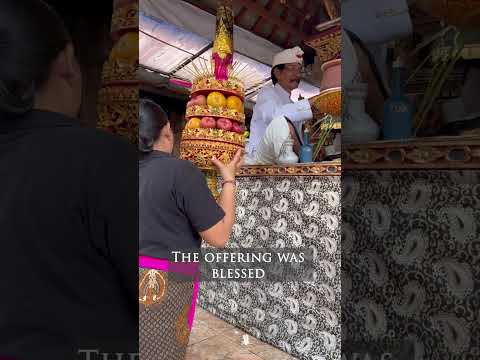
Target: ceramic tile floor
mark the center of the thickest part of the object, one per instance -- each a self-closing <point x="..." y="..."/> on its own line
<point x="214" y="339"/>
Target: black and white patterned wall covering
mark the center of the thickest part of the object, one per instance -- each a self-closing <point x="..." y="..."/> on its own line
<point x="411" y="262"/>
<point x="300" y="318"/>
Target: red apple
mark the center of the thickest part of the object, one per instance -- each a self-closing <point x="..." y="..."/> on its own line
<point x="236" y="127"/>
<point x="224" y="124"/>
<point x="208" y="122"/>
<point x="199" y="100"/>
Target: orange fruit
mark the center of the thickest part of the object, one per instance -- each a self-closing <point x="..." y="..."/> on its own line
<point x="216" y="99"/>
<point x="235" y="103"/>
<point x="126" y="48"/>
<point x="193" y="123"/>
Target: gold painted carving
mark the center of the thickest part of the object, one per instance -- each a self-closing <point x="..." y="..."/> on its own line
<point x="214" y="135"/>
<point x="428" y="153"/>
<point x="333" y="168"/>
<point x="201" y="152"/>
<point x="424" y="155"/>
<point x="207" y="110"/>
<point x="118" y="111"/>
<point x="114" y="71"/>
<point x="125" y="18"/>
<point x="205" y="84"/>
<point x="328" y="102"/>
<point x="119" y="96"/>
<point x="223" y="43"/>
<point x="327" y="46"/>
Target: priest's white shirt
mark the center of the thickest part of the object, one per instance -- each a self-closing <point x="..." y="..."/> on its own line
<point x="272" y="102"/>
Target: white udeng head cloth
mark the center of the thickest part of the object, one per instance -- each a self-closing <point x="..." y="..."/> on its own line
<point x="288" y="56"/>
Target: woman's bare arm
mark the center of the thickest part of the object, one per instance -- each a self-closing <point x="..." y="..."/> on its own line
<point x="219" y="234"/>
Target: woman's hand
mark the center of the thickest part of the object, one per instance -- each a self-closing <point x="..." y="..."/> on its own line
<point x="219" y="234"/>
<point x="229" y="171"/>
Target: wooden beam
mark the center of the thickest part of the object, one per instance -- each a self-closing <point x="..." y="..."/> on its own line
<point x="202" y="6"/>
<point x="272" y="33"/>
<point x="300" y="22"/>
<point x="284" y="7"/>
<point x="287" y="41"/>
<point x="284" y="13"/>
<point x="293" y="8"/>
<point x="261" y="11"/>
<point x="269" y="4"/>
<point x="313" y="20"/>
<point x="260" y="20"/>
<point x="242" y="12"/>
<point x="257" y="27"/>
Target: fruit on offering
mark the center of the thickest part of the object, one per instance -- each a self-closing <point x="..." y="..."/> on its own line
<point x="199" y="100"/>
<point x="235" y="103"/>
<point x="224" y="124"/>
<point x="208" y="122"/>
<point x="216" y="99"/>
<point x="193" y="123"/>
<point x="238" y="128"/>
<point x="246" y="134"/>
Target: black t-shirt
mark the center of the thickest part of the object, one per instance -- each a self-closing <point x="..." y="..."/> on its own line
<point x="69" y="239"/>
<point x="175" y="205"/>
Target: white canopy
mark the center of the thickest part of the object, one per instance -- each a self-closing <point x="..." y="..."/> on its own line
<point x="176" y="39"/>
<point x="194" y="20"/>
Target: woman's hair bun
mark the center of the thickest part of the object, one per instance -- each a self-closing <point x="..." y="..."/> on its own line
<point x="152" y="119"/>
<point x="31" y="37"/>
<point x="145" y="144"/>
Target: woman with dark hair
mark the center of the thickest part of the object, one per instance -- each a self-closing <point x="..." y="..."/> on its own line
<point x="68" y="203"/>
<point x="177" y="210"/>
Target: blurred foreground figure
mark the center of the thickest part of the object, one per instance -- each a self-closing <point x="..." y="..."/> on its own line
<point x="68" y="203"/>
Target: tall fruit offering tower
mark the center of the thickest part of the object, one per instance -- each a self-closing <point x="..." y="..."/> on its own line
<point x="119" y="95"/>
<point x="215" y="113"/>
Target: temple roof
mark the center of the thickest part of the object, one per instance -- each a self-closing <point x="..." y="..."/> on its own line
<point x="284" y="22"/>
<point x="176" y="38"/>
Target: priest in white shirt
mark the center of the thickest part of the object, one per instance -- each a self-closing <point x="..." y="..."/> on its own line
<point x="276" y="118"/>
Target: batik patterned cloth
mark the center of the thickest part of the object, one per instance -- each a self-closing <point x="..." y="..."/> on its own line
<point x="410" y="263"/>
<point x="166" y="306"/>
<point x="301" y="318"/>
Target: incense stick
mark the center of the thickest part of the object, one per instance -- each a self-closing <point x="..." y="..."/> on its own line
<point x="188" y="70"/>
<point x="240" y="71"/>
<point x="196" y="69"/>
<point x="202" y="66"/>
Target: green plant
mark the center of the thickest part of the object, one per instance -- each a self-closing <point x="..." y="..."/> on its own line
<point x="443" y="65"/>
<point x="320" y="130"/>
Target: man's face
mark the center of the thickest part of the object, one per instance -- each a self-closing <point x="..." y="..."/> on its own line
<point x="289" y="77"/>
